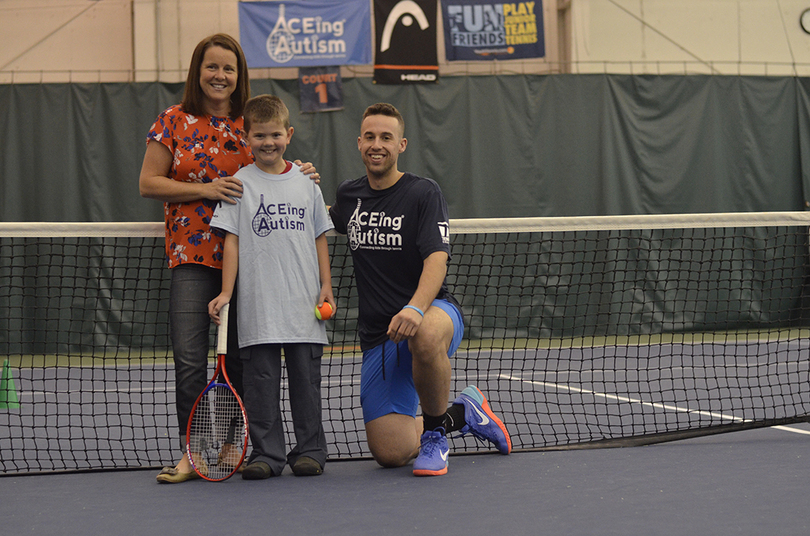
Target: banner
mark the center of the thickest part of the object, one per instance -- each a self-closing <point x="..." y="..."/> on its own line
<point x="487" y="30"/>
<point x="321" y="89"/>
<point x="406" y="41"/>
<point x="308" y="33"/>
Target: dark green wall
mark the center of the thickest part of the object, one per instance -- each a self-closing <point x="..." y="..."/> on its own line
<point x="499" y="146"/>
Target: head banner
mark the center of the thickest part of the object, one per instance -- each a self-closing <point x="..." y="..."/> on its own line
<point x="406" y="41"/>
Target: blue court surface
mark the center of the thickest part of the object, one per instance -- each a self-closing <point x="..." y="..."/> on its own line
<point x="752" y="482"/>
<point x="84" y="418"/>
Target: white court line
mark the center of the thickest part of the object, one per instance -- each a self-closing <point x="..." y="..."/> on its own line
<point x="95" y="391"/>
<point x="167" y="387"/>
<point x="657" y="405"/>
<point x="650" y="404"/>
<point x="791" y="429"/>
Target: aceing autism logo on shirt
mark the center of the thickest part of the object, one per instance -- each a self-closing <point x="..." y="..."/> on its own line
<point x="265" y="223"/>
<point x="374" y="230"/>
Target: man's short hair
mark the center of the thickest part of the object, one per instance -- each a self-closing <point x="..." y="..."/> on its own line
<point x="383" y="108"/>
<point x="266" y="108"/>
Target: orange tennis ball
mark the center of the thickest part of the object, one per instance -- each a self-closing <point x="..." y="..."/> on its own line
<point x="324" y="312"/>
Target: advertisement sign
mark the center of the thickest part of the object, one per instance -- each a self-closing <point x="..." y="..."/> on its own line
<point x="486" y="30"/>
<point x="305" y="33"/>
<point x="405" y="42"/>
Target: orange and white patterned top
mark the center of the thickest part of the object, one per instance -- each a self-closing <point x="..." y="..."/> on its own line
<point x="204" y="148"/>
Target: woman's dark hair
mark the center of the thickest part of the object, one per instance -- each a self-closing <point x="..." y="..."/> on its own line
<point x="193" y="97"/>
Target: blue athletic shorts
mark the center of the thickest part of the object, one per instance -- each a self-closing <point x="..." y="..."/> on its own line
<point x="386" y="377"/>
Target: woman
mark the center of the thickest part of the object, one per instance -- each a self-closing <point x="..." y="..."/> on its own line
<point x="192" y="152"/>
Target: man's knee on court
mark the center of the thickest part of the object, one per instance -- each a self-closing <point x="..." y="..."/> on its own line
<point x="391" y="458"/>
<point x="392" y="440"/>
<point x="428" y="342"/>
<point x="391" y="454"/>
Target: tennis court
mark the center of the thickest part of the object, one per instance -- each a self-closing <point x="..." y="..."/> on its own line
<point x="582" y="334"/>
<point x="551" y="398"/>
<point x="749" y="483"/>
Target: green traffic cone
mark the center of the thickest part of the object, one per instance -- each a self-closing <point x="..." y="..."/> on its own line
<point x="8" y="392"/>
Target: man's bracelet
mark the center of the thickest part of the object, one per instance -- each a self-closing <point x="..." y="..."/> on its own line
<point x="417" y="309"/>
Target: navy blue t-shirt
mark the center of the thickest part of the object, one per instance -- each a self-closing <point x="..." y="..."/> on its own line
<point x="390" y="233"/>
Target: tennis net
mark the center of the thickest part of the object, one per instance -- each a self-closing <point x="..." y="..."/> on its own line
<point x="582" y="332"/>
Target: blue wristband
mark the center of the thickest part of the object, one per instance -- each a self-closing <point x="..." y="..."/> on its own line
<point x="417" y="309"/>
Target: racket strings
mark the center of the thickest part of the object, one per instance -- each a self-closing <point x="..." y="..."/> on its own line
<point x="217" y="434"/>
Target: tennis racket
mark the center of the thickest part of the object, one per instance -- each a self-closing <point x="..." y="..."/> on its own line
<point x="217" y="434"/>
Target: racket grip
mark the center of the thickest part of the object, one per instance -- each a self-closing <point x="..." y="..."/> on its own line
<point x="222" y="330"/>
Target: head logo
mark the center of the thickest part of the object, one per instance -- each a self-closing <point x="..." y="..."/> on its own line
<point x="405" y="77"/>
<point x="444" y="231"/>
<point x="405" y="10"/>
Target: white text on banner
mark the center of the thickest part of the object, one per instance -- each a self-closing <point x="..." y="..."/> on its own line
<point x="305" y="34"/>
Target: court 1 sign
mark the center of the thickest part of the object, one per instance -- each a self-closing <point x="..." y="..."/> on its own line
<point x="321" y="89"/>
<point x="307" y="33"/>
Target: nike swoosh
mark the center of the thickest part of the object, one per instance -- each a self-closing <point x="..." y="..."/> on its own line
<point x="444" y="455"/>
<point x="484" y="418"/>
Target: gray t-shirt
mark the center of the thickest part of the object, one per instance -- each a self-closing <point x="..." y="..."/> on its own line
<point x="277" y="220"/>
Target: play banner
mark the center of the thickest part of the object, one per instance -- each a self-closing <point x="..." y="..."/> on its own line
<point x="405" y="42"/>
<point x="305" y="34"/>
<point x="487" y="30"/>
<point x="321" y="89"/>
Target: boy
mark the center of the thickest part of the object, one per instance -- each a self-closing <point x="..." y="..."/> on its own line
<point x="276" y="241"/>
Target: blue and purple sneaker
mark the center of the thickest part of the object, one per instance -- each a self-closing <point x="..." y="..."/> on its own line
<point x="481" y="421"/>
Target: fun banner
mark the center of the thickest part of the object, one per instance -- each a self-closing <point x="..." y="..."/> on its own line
<point x="486" y="30"/>
<point x="405" y="42"/>
<point x="307" y="33"/>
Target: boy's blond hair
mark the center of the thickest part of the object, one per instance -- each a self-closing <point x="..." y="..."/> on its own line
<point x="266" y="108"/>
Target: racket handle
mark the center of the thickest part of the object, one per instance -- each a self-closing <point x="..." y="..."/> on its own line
<point x="222" y="331"/>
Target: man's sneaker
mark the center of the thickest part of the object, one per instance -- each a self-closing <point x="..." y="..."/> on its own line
<point x="481" y="421"/>
<point x="432" y="459"/>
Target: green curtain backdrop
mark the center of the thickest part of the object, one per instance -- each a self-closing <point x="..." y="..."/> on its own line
<point x="507" y="146"/>
<point x="499" y="147"/>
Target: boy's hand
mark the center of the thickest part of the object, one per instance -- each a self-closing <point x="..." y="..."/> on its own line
<point x="215" y="306"/>
<point x="327" y="296"/>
